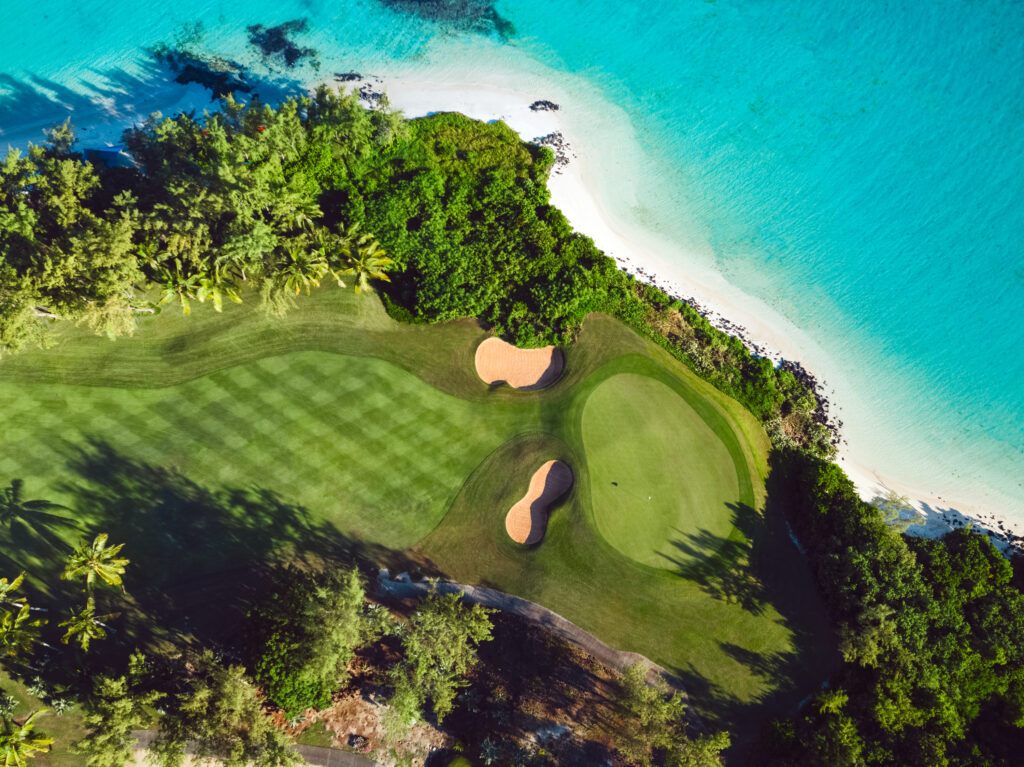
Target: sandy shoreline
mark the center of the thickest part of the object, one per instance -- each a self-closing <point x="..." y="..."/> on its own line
<point x="573" y="195"/>
<point x="572" y="188"/>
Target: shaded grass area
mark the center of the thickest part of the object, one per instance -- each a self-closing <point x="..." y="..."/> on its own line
<point x="218" y="444"/>
<point x="658" y="473"/>
<point x="369" y="447"/>
<point x="64" y="729"/>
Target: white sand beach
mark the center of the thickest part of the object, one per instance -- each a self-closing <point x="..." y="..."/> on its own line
<point x="573" y="187"/>
<point x="771" y="335"/>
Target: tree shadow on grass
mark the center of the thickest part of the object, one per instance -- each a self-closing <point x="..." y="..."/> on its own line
<point x="200" y="556"/>
<point x="718" y="708"/>
<point x="766" y="570"/>
<point x="30" y="526"/>
<point x="722" y="566"/>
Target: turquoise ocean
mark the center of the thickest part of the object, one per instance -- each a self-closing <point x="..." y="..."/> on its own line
<point x="856" y="167"/>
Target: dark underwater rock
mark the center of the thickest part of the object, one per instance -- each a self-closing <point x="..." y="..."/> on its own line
<point x="276" y="45"/>
<point x="221" y="76"/>
<point x="478" y="16"/>
<point x="220" y="83"/>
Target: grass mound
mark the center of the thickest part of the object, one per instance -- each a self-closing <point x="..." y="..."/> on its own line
<point x="659" y="475"/>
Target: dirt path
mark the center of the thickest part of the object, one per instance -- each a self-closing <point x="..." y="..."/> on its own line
<point x="542" y="616"/>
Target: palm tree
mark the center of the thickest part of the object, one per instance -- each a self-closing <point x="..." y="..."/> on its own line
<point x="175" y="285"/>
<point x="365" y="258"/>
<point x="217" y="286"/>
<point x="18" y="632"/>
<point x="34" y="515"/>
<point x="17" y="742"/>
<point x="303" y="267"/>
<point x="7" y="589"/>
<point x="86" y="625"/>
<point x="96" y="560"/>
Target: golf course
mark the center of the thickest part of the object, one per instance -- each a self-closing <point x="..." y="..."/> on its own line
<point x="216" y="443"/>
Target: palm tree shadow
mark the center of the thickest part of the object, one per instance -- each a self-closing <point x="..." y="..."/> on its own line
<point x="117" y="94"/>
<point x="200" y="556"/>
<point x="723" y="566"/>
<point x="30" y="526"/>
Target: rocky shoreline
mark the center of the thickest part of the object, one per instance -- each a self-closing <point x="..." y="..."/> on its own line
<point x="938" y="512"/>
<point x="563" y="156"/>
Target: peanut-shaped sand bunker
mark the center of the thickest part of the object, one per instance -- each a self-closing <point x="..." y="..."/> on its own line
<point x="500" y="362"/>
<point x="527" y="521"/>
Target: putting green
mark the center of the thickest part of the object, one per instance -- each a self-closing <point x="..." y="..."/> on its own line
<point x="662" y="483"/>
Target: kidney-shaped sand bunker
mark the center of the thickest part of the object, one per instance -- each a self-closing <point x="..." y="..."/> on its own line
<point x="527" y="521"/>
<point x="498" y="361"/>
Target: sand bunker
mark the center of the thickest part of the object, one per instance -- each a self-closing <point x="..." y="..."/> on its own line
<point x="500" y="362"/>
<point x="527" y="521"/>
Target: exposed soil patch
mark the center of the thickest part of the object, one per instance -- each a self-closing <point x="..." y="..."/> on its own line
<point x="531" y="694"/>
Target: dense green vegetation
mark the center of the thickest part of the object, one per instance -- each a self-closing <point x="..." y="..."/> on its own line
<point x="320" y="428"/>
<point x="931" y="632"/>
<point x="654" y="730"/>
<point x="303" y="636"/>
<point x="274" y="201"/>
<point x="438" y="649"/>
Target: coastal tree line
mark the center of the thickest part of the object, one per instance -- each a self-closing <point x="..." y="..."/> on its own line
<point x="262" y="203"/>
<point x="931" y="634"/>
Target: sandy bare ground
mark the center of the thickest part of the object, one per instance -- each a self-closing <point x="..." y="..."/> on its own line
<point x="498" y="361"/>
<point x="527" y="521"/>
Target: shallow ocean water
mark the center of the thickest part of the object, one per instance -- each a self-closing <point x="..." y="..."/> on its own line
<point x="858" y="169"/>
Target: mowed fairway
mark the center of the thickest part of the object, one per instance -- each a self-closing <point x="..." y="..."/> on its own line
<point x="214" y="444"/>
<point x="365" y="445"/>
<point x="659" y="475"/>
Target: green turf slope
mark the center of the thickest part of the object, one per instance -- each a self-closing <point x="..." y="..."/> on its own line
<point x="214" y="443"/>
<point x="365" y="445"/>
<point x="659" y="475"/>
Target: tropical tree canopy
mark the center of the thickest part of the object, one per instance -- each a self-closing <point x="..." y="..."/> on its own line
<point x="19" y="743"/>
<point x="19" y="631"/>
<point x="96" y="561"/>
<point x="218" y="712"/>
<point x="7" y="589"/>
<point x="114" y="710"/>
<point x="305" y="633"/>
<point x="85" y="625"/>
<point x="439" y="647"/>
